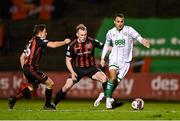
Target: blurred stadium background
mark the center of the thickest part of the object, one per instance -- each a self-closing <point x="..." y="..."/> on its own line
<point x="154" y="74"/>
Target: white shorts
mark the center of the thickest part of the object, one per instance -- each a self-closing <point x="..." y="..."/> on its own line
<point x="121" y="67"/>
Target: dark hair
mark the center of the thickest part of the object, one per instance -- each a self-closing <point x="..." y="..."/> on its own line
<point x="80" y="26"/>
<point x="118" y="15"/>
<point x="38" y="28"/>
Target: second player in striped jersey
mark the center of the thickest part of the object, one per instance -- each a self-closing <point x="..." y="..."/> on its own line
<point x="80" y="62"/>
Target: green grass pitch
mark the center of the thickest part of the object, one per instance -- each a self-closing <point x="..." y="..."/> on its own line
<point x="84" y="110"/>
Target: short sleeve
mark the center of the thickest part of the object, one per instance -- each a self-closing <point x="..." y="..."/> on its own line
<point x="134" y="34"/>
<point x="45" y="42"/>
<point x="69" y="51"/>
<point x="98" y="44"/>
<point x="42" y="42"/>
<point x="108" y="38"/>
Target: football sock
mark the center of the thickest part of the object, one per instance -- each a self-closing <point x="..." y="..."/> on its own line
<point x="59" y="96"/>
<point x="109" y="89"/>
<point x="24" y="93"/>
<point x="48" y="94"/>
<point x="115" y="85"/>
<point x="104" y="85"/>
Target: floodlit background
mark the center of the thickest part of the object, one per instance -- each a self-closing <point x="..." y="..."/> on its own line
<point x="154" y="72"/>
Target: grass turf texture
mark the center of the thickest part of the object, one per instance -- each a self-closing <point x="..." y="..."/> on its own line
<point x="84" y="110"/>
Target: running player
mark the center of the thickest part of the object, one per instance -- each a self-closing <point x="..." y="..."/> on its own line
<point x="30" y="63"/>
<point x="80" y="62"/>
<point x="122" y="38"/>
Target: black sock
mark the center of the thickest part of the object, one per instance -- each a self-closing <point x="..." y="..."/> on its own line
<point x="115" y="85"/>
<point x="104" y="85"/>
<point x="48" y="94"/>
<point x="24" y="93"/>
<point x="59" y="96"/>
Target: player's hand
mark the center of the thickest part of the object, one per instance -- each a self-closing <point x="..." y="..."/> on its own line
<point x="146" y="43"/>
<point x="110" y="48"/>
<point x="67" y="41"/>
<point x="102" y="62"/>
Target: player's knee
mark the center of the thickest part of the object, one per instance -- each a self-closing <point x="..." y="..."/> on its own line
<point x="68" y="85"/>
<point x="50" y="84"/>
<point x="113" y="78"/>
<point x="66" y="88"/>
<point x="31" y="88"/>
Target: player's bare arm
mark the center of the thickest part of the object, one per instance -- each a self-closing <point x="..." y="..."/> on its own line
<point x="102" y="62"/>
<point x="146" y="43"/>
<point x="69" y="66"/>
<point x="22" y="59"/>
<point x="110" y="48"/>
<point x="106" y="49"/>
<point x="58" y="43"/>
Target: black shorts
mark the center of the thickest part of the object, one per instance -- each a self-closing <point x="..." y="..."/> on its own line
<point x="89" y="72"/>
<point x="34" y="75"/>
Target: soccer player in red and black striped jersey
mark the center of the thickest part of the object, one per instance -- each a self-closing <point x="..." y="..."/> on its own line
<point x="80" y="61"/>
<point x="30" y="63"/>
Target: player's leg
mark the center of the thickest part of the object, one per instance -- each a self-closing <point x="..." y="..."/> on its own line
<point x="48" y="93"/>
<point x="24" y="93"/>
<point x="100" y="76"/>
<point x="95" y="73"/>
<point x="121" y="74"/>
<point x="62" y="92"/>
<point x="116" y="74"/>
<point x="68" y="85"/>
<point x="40" y="77"/>
<point x="102" y="96"/>
<point x="103" y="78"/>
<point x="111" y="82"/>
<point x="110" y="88"/>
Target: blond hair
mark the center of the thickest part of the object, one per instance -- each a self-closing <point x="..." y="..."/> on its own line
<point x="81" y="26"/>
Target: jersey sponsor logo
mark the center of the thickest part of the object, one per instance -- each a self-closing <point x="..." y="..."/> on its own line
<point x="120" y="42"/>
<point x="84" y="53"/>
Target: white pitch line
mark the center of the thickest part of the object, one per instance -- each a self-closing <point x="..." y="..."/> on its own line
<point x="141" y="111"/>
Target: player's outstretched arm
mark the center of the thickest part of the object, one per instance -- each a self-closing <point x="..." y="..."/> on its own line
<point x="58" y="43"/>
<point x="146" y="43"/>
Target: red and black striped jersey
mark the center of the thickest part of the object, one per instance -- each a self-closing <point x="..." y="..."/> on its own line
<point x="34" y="50"/>
<point x="82" y="54"/>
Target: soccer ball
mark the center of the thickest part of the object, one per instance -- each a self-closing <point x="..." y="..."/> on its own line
<point x="137" y="104"/>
